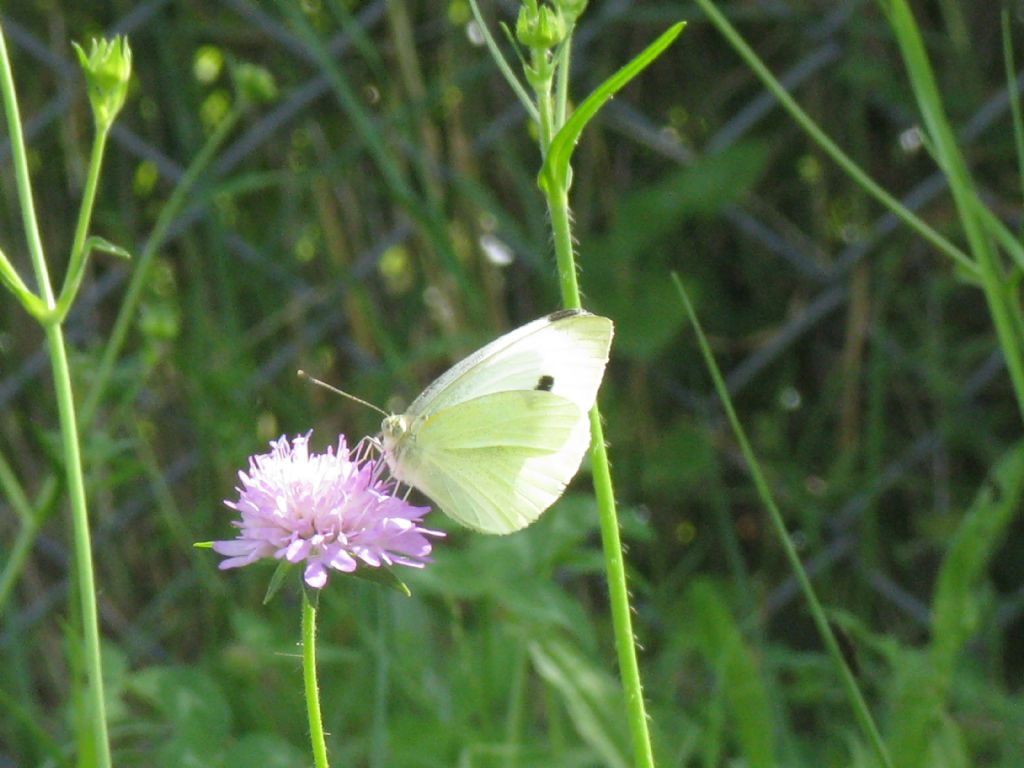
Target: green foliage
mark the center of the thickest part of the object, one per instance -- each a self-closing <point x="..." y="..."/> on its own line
<point x="742" y="689"/>
<point x="330" y="216"/>
<point x="922" y="730"/>
<point x="592" y="697"/>
<point x="640" y="248"/>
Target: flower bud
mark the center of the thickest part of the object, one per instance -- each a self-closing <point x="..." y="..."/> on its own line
<point x="539" y="27"/>
<point x="107" y="68"/>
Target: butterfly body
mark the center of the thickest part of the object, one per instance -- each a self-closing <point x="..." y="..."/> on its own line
<point x="495" y="439"/>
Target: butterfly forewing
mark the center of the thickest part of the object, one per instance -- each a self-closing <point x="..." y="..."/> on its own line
<point x="521" y="419"/>
<point x="564" y="353"/>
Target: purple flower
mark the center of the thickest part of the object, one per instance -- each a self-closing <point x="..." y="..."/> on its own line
<point x="331" y="510"/>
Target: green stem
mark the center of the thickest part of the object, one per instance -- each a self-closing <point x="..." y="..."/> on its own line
<point x="545" y="105"/>
<point x="830" y="147"/>
<point x="83" y="546"/>
<point x="76" y="262"/>
<point x="618" y="595"/>
<point x="853" y="693"/>
<point x="561" y="230"/>
<point x="316" y="725"/>
<point x="503" y="67"/>
<point x="562" y="86"/>
<point x="66" y="412"/>
<point x="9" y="277"/>
<point x="1013" y="95"/>
<point x="21" y="175"/>
<point x="615" y="569"/>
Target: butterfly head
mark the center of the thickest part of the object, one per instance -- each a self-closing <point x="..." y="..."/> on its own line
<point x="394" y="437"/>
<point x="394" y="427"/>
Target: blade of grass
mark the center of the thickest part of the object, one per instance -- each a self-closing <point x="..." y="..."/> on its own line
<point x="850" y="687"/>
<point x="840" y="158"/>
<point x="1013" y="95"/>
<point x="961" y="185"/>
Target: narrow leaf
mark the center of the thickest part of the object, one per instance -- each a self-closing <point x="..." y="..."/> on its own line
<point x="556" y="164"/>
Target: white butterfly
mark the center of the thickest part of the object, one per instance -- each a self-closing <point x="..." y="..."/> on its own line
<point x="494" y="440"/>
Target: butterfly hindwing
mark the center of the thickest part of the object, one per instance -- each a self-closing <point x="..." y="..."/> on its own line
<point x="496" y="462"/>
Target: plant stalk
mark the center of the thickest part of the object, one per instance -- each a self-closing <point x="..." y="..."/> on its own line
<point x="316" y="724"/>
<point x="615" y="568"/>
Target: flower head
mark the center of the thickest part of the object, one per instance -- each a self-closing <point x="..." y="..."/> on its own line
<point x="331" y="510"/>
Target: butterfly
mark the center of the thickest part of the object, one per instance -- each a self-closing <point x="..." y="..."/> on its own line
<point x="496" y="438"/>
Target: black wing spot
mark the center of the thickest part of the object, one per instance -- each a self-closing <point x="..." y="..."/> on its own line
<point x="545" y="383"/>
<point x="562" y="314"/>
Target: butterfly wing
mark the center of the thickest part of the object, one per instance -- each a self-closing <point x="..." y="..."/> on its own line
<point x="496" y="462"/>
<point x="564" y="353"/>
<point x="494" y="440"/>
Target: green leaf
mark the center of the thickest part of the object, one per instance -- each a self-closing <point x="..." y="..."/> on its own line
<point x="924" y="679"/>
<point x="95" y="243"/>
<point x="556" y="165"/>
<point x="980" y="533"/>
<point x="722" y="644"/>
<point x="384" y="577"/>
<point x="591" y="695"/>
<point x="277" y="579"/>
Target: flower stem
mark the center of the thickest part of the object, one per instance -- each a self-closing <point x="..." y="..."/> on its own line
<point x="316" y="725"/>
<point x="83" y="545"/>
<point x="615" y="569"/>
<point x="66" y="412"/>
<point x="21" y="175"/>
<point x="76" y="263"/>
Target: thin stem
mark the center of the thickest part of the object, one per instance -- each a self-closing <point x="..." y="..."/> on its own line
<point x="9" y="277"/>
<point x="562" y="86"/>
<point x="618" y="595"/>
<point x="561" y="230"/>
<point x="853" y="693"/>
<point x="83" y="545"/>
<point x="21" y="175"/>
<point x="830" y="147"/>
<point x="545" y="105"/>
<point x="615" y="569"/>
<point x="503" y="67"/>
<point x="316" y="725"/>
<point x="76" y="262"/>
<point x="1013" y="95"/>
<point x="68" y="426"/>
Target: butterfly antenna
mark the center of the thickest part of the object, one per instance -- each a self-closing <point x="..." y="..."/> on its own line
<point x="303" y="375"/>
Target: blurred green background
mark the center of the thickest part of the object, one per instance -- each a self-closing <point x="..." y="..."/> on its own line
<point x="377" y="219"/>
